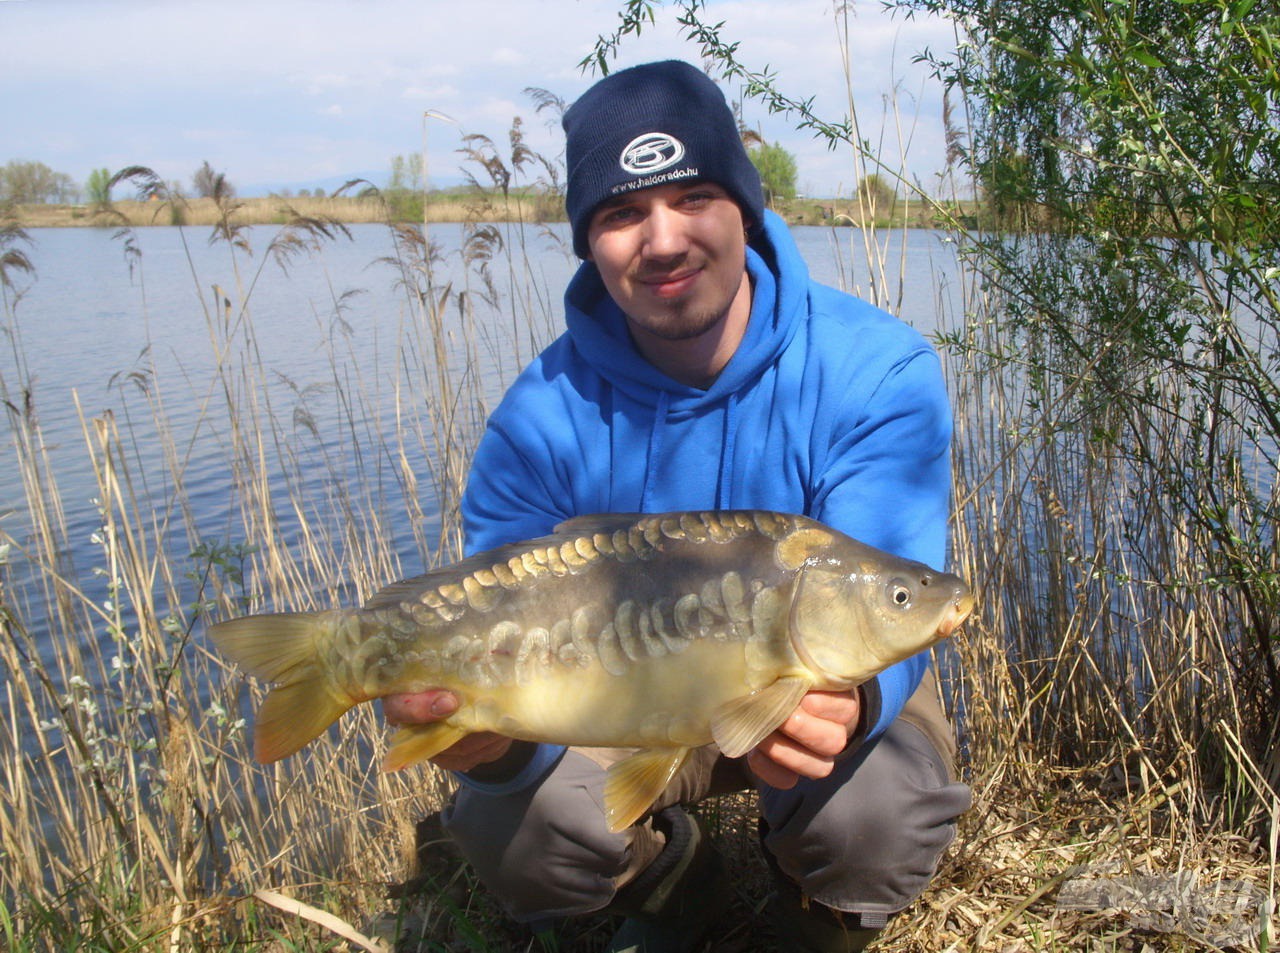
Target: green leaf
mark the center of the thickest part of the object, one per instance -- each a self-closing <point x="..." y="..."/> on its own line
<point x="1147" y="58"/>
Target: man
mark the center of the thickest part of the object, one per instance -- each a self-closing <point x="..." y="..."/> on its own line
<point x="701" y="369"/>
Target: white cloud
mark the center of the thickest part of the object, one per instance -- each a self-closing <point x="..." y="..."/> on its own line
<point x="509" y="57"/>
<point x="445" y="92"/>
<point x="319" y="84"/>
<point x="274" y="76"/>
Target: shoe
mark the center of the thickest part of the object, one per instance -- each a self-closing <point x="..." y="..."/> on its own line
<point x="672" y="904"/>
<point x="802" y="925"/>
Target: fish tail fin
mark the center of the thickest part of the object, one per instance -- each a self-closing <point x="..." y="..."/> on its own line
<point x="287" y="649"/>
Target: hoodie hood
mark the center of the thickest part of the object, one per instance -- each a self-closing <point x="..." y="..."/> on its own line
<point x="674" y="421"/>
<point x="779" y="293"/>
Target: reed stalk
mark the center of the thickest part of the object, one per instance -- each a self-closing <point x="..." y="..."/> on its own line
<point x="1097" y="689"/>
<point x="132" y="814"/>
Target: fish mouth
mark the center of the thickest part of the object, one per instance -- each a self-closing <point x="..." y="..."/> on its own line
<point x="956" y="614"/>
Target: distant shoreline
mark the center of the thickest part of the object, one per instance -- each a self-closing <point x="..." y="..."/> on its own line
<point x="279" y="210"/>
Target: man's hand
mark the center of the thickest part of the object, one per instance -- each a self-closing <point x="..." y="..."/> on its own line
<point x="422" y="708"/>
<point x="807" y="743"/>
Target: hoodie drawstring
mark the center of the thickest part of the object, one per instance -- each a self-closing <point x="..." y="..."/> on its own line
<point x="655" y="448"/>
<point x="724" y="486"/>
<point x="728" y="443"/>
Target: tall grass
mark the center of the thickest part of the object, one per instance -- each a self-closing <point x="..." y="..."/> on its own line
<point x="368" y="205"/>
<point x="132" y="815"/>
<point x="1097" y="687"/>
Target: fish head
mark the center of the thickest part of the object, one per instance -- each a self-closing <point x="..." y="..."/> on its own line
<point x="856" y="610"/>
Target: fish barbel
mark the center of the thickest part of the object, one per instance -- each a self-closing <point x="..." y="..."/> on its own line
<point x="660" y="632"/>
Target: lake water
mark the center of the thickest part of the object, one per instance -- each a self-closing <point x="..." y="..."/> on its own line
<point x="122" y="326"/>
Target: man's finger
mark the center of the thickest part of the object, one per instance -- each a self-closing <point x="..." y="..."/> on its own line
<point x="842" y="707"/>
<point x="818" y="735"/>
<point x="419" y="708"/>
<point x="780" y="762"/>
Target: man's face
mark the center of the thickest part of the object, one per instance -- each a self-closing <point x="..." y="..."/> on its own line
<point x="673" y="257"/>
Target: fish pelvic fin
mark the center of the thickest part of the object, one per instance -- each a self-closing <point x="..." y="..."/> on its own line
<point x="739" y="725"/>
<point x="634" y="783"/>
<point x="288" y="650"/>
<point x="414" y="743"/>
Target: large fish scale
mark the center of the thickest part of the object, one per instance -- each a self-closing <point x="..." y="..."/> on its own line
<point x="596" y="608"/>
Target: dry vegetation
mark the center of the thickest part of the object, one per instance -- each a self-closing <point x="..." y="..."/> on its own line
<point x="132" y="816"/>
<point x="458" y="207"/>
<point x="273" y="210"/>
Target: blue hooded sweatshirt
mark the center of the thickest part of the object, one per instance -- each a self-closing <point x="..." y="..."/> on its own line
<point x="829" y="408"/>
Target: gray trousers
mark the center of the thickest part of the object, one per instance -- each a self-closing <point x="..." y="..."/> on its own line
<point x="865" y="840"/>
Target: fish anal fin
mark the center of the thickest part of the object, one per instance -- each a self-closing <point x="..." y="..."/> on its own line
<point x="741" y="724"/>
<point x="415" y="743"/>
<point x="634" y="783"/>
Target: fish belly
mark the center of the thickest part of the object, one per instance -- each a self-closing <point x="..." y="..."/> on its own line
<point x="657" y="703"/>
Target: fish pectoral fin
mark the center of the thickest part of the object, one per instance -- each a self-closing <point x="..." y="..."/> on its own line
<point x="741" y="724"/>
<point x="415" y="743"/>
<point x="633" y="784"/>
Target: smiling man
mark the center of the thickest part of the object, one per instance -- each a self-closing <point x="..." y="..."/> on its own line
<point x="673" y="257"/>
<point x="701" y="368"/>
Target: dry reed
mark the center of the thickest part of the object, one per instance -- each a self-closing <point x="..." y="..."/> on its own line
<point x="131" y="812"/>
<point x="270" y="210"/>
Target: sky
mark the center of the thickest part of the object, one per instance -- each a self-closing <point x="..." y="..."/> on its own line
<point x="291" y="94"/>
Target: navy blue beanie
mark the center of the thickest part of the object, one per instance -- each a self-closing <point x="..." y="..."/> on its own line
<point x="652" y="125"/>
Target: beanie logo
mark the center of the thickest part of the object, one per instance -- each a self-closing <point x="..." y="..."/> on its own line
<point x="651" y="152"/>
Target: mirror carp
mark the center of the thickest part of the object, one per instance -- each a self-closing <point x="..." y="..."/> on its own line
<point x="660" y="632"/>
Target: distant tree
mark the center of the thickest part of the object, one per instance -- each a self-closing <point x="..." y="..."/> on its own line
<point x="877" y="195"/>
<point x="406" y="173"/>
<point x="25" y="182"/>
<point x="318" y="192"/>
<point x="777" y="168"/>
<point x="209" y="184"/>
<point x="97" y="187"/>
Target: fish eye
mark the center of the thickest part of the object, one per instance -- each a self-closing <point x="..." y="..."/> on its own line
<point x="899" y="594"/>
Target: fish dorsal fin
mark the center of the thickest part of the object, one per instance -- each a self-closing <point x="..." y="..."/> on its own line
<point x="415" y="743"/>
<point x="741" y="724"/>
<point x="633" y="784"/>
<point x="592" y="523"/>
<point x="392" y="595"/>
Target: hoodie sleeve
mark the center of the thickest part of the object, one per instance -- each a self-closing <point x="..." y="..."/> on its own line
<point x="887" y="482"/>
